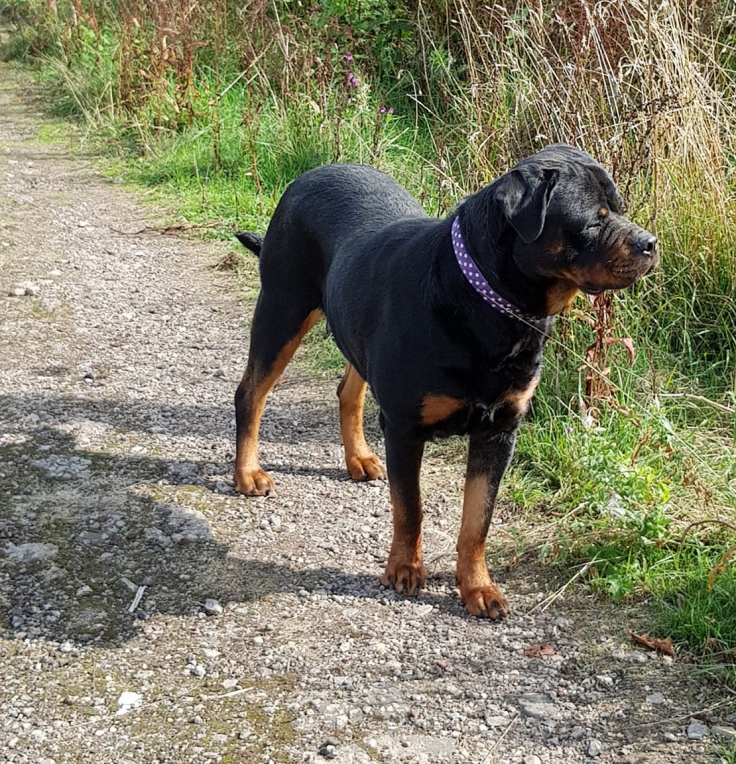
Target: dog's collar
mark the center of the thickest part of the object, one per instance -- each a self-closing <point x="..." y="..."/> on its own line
<point x="478" y="281"/>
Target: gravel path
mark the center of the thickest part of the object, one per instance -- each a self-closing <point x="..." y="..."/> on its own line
<point x="262" y="634"/>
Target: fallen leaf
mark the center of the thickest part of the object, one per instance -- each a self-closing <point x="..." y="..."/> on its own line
<point x="654" y="643"/>
<point x="538" y="651"/>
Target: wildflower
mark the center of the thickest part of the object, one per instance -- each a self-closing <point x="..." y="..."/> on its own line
<point x="569" y="430"/>
<point x="382" y="110"/>
<point x="385" y="110"/>
<point x="348" y="57"/>
<point x="352" y="81"/>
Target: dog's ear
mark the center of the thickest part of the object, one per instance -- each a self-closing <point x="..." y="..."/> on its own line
<point x="524" y="197"/>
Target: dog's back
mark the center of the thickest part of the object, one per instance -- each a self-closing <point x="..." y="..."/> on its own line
<point x="319" y="212"/>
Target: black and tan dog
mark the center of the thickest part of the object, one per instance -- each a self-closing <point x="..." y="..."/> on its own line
<point x="444" y="319"/>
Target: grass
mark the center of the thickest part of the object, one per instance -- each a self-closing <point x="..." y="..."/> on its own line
<point x="616" y="478"/>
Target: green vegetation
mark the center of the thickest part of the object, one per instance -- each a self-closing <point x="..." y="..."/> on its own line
<point x="629" y="457"/>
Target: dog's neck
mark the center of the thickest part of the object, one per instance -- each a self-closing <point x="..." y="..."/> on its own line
<point x="486" y="235"/>
<point x="477" y="280"/>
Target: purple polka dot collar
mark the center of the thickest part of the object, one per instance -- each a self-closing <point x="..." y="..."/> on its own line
<point x="477" y="280"/>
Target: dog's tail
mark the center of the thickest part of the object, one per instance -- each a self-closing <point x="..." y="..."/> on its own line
<point x="251" y="241"/>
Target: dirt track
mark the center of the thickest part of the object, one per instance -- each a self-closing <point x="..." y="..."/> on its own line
<point x="117" y="367"/>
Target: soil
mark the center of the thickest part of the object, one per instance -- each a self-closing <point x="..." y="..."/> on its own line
<point x="246" y="630"/>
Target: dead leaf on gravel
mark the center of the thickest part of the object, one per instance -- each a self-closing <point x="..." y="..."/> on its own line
<point x="540" y="650"/>
<point x="653" y="643"/>
<point x="228" y="263"/>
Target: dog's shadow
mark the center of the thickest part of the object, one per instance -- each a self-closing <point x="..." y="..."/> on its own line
<point x="81" y="529"/>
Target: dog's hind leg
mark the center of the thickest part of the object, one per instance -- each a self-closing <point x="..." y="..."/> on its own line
<point x="277" y="330"/>
<point x="361" y="462"/>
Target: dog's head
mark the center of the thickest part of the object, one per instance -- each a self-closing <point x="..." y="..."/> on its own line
<point x="566" y="221"/>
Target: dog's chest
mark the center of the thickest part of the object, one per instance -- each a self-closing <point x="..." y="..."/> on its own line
<point x="486" y="394"/>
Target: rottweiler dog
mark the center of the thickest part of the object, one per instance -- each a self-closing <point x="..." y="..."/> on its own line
<point x="444" y="319"/>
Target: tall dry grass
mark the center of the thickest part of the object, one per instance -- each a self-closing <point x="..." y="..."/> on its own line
<point x="643" y="86"/>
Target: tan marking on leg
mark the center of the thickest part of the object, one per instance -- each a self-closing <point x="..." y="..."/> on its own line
<point x="361" y="462"/>
<point x="480" y="595"/>
<point x="520" y="399"/>
<point x="405" y="569"/>
<point x="435" y="408"/>
<point x="250" y="479"/>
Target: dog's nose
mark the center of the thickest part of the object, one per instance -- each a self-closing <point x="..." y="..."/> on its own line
<point x="645" y="243"/>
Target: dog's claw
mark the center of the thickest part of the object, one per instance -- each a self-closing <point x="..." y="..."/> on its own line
<point x="408" y="577"/>
<point x="255" y="482"/>
<point x="366" y="467"/>
<point x="482" y="601"/>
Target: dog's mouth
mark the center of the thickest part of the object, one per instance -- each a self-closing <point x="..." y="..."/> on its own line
<point x="621" y="269"/>
<point x="591" y="290"/>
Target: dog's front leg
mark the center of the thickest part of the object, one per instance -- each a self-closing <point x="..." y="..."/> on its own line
<point x="489" y="454"/>
<point x="405" y="569"/>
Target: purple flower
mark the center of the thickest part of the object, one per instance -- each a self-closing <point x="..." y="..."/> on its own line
<point x="390" y="109"/>
<point x="348" y="57"/>
<point x="568" y="430"/>
<point x="382" y="110"/>
<point x="352" y="82"/>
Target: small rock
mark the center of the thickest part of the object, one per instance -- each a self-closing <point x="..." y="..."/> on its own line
<point x="532" y="759"/>
<point x="328" y="749"/>
<point x="158" y="536"/>
<point x="669" y="737"/>
<point x="594" y="748"/>
<point x="25" y="289"/>
<point x="31" y="552"/>
<point x="697" y="731"/>
<point x="655" y="698"/>
<point x="212" y="607"/>
<point x="728" y="733"/>
<point x="199" y="671"/>
<point x="83" y="591"/>
<point x="128" y="701"/>
<point x="538" y="706"/>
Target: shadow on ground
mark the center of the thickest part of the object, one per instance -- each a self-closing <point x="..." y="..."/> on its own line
<point x="80" y="528"/>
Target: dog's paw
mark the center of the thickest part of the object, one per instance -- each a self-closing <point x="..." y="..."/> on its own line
<point x="366" y="467"/>
<point x="484" y="601"/>
<point x="407" y="577"/>
<point x="255" y="482"/>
